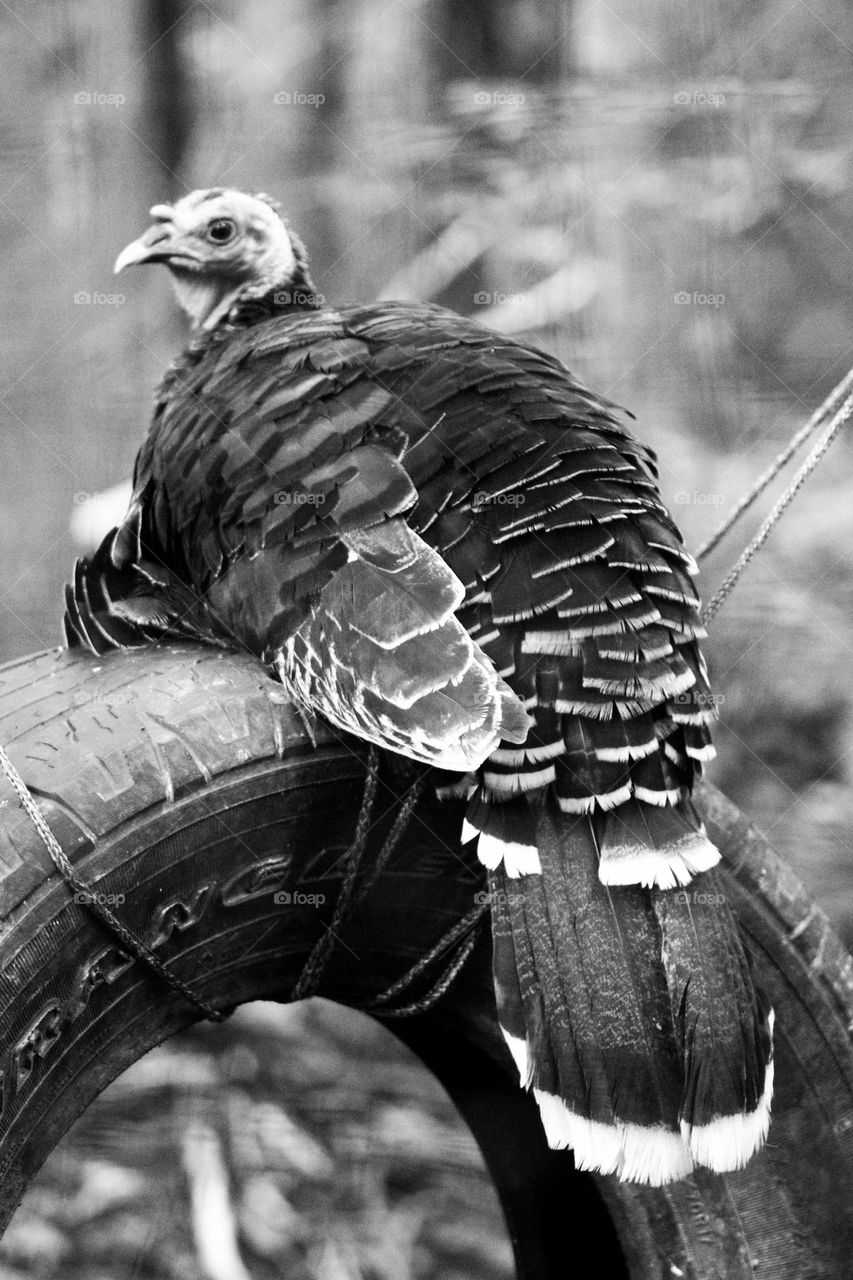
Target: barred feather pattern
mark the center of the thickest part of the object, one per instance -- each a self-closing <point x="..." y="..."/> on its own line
<point x="441" y="541"/>
<point x="630" y="1013"/>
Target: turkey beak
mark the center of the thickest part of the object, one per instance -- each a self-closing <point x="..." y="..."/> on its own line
<point x="156" y="245"/>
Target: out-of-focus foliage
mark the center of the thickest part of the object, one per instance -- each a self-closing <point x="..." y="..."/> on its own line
<point x="661" y="193"/>
<point x="305" y="1143"/>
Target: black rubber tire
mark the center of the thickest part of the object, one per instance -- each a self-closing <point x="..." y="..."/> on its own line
<point x="179" y="780"/>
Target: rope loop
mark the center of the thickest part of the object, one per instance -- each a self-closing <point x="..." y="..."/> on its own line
<point x="839" y="418"/>
<point x="133" y="945"/>
<point x="830" y="406"/>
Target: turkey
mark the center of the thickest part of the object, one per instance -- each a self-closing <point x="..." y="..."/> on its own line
<point x="442" y="543"/>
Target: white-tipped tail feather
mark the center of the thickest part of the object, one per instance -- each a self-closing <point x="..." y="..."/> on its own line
<point x="633" y="1022"/>
<point x="729" y="1142"/>
<point x="520" y="1056"/>
<point x="631" y="1016"/>
<point x="666" y="867"/>
<point x="652" y="1155"/>
<point x="518" y="859"/>
<point x="632" y="1152"/>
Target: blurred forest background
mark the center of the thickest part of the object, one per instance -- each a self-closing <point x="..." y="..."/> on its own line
<point x="660" y="192"/>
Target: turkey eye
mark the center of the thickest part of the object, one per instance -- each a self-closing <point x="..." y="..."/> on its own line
<point x="221" y="231"/>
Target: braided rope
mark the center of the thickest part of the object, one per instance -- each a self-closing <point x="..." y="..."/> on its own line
<point x="391" y="840"/>
<point x="314" y="968"/>
<point x="466" y="925"/>
<point x="350" y="893"/>
<point x="60" y="860"/>
<point x="435" y="992"/>
<point x="724" y="590"/>
<point x="830" y="406"/>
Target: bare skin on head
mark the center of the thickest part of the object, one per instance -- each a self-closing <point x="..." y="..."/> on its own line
<point x="219" y="246"/>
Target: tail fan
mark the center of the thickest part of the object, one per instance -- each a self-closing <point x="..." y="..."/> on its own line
<point x="629" y="1012"/>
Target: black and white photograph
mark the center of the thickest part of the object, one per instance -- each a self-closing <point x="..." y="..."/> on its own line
<point x="426" y="640"/>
